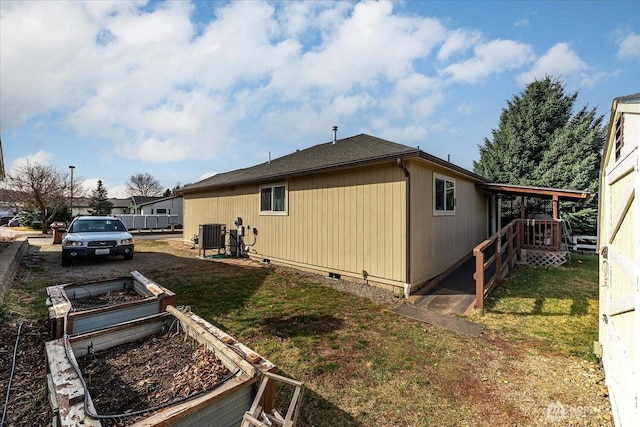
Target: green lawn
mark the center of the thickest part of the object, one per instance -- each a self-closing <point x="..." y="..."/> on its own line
<point x="363" y="365"/>
<point x="558" y="306"/>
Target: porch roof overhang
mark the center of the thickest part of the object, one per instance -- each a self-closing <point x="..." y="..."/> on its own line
<point x="526" y="190"/>
<point x="555" y="194"/>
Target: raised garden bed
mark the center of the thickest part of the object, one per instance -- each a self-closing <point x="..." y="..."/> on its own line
<point x="175" y="358"/>
<point x="97" y="305"/>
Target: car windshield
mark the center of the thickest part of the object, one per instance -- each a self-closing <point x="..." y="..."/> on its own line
<point x="97" y="225"/>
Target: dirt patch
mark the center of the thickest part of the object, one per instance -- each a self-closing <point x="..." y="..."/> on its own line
<point x="106" y="299"/>
<point x="28" y="404"/>
<point x="152" y="373"/>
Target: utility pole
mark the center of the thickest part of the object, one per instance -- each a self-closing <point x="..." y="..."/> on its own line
<point x="71" y="202"/>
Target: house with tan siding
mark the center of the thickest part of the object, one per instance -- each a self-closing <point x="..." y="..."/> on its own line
<point x="360" y="207"/>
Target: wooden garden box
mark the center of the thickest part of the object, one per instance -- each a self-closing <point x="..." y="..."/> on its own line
<point x="85" y="314"/>
<point x="222" y="406"/>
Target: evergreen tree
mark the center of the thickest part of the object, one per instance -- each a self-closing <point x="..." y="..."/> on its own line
<point x="539" y="141"/>
<point x="100" y="204"/>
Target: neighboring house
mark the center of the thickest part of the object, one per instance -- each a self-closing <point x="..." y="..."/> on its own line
<point x="136" y="203"/>
<point x="619" y="247"/>
<point x="120" y="206"/>
<point x="359" y="207"/>
<point x="164" y="206"/>
<point x="81" y="206"/>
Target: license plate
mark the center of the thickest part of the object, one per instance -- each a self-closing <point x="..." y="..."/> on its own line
<point x="102" y="251"/>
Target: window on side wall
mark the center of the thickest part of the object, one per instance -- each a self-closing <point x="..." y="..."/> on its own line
<point x="444" y="195"/>
<point x="273" y="199"/>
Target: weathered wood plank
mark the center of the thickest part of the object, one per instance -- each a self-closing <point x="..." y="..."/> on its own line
<point x="199" y="329"/>
<point x="69" y="392"/>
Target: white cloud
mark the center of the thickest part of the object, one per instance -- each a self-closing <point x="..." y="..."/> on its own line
<point x="117" y="192"/>
<point x="465" y="108"/>
<point x="351" y="57"/>
<point x="41" y="157"/>
<point x="425" y="106"/>
<point x="629" y="47"/>
<point x="458" y="41"/>
<point x="154" y="85"/>
<point x="559" y="61"/>
<point x="409" y="135"/>
<point x="490" y="58"/>
<point x="158" y="90"/>
<point x="345" y="106"/>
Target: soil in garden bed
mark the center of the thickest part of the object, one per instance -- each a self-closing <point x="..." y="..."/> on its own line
<point x="145" y="374"/>
<point x="103" y="300"/>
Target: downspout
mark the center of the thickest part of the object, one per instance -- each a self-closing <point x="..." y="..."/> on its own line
<point x="407" y="180"/>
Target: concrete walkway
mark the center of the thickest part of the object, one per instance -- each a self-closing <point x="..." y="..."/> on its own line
<point x="11" y="256"/>
<point x="441" y="306"/>
<point x="455" y="294"/>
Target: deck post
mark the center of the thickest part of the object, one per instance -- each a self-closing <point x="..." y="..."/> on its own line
<point x="519" y="231"/>
<point x="479" y="276"/>
<point x="499" y="257"/>
<point x="510" y="247"/>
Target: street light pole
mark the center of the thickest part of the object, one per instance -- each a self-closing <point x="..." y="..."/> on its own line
<point x="71" y="203"/>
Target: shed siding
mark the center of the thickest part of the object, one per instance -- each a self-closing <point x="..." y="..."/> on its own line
<point x="619" y="233"/>
<point x="438" y="242"/>
<point x="346" y="222"/>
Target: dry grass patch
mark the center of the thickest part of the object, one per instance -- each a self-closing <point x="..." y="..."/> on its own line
<point x="556" y="306"/>
<point x="363" y="365"/>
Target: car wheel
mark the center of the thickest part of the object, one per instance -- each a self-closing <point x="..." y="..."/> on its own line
<point x="66" y="260"/>
<point x="128" y="256"/>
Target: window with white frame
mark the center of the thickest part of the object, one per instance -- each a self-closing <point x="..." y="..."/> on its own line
<point x="444" y="195"/>
<point x="273" y="199"/>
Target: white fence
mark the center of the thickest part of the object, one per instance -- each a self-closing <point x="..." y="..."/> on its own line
<point x="584" y="243"/>
<point x="149" y="222"/>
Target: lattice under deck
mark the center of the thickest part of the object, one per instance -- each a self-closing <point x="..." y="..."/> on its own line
<point x="543" y="258"/>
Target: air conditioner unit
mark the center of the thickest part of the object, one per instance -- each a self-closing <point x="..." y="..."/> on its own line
<point x="211" y="236"/>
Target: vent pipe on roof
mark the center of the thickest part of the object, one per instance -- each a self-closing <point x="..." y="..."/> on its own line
<point x="335" y="134"/>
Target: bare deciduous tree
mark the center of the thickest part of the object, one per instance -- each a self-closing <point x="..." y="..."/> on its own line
<point x="143" y="184"/>
<point x="43" y="187"/>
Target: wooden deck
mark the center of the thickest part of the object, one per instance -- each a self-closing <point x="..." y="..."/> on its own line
<point x="528" y="241"/>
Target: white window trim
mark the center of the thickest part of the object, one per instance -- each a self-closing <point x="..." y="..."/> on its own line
<point x="285" y="212"/>
<point x="455" y="200"/>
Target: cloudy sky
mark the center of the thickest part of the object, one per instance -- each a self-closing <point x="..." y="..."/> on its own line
<point x="183" y="90"/>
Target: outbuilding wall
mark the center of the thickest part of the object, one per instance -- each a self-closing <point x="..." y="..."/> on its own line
<point x="619" y="247"/>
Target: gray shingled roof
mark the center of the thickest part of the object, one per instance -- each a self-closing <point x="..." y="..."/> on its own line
<point x="348" y="152"/>
<point x="142" y="200"/>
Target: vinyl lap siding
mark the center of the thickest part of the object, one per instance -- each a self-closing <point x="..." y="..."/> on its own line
<point x="438" y="242"/>
<point x="347" y="223"/>
<point x="341" y="222"/>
